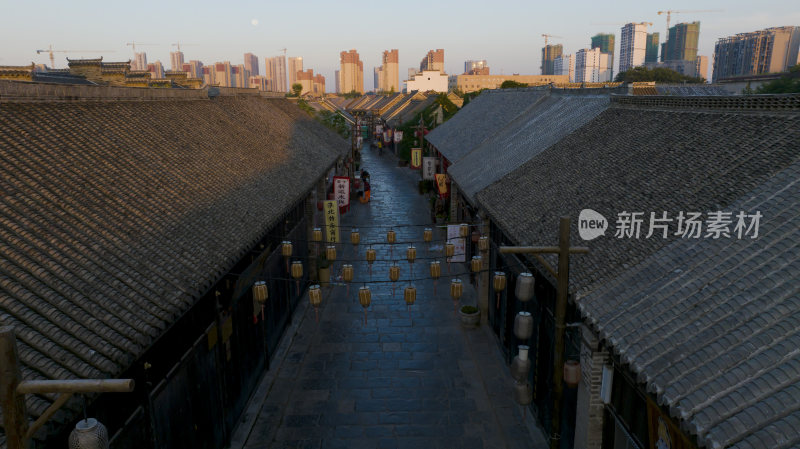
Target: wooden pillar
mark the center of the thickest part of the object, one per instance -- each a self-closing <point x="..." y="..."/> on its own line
<point x="15" y="419"/>
<point x="560" y="329"/>
<point x="483" y="276"/>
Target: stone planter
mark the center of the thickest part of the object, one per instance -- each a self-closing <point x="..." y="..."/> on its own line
<point x="470" y="318"/>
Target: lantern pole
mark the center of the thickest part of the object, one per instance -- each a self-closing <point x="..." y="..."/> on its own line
<point x="562" y="290"/>
<point x="13" y="390"/>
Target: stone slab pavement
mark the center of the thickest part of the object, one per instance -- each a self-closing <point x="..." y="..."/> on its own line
<point x="411" y="377"/>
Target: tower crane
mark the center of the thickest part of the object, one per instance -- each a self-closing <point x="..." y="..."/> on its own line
<point x="178" y="44"/>
<point x="669" y="13"/>
<point x="134" y="44"/>
<point x="53" y="60"/>
<point x="546" y="50"/>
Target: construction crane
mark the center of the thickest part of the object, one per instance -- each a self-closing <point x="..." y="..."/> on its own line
<point x="178" y="44"/>
<point x="284" y="52"/>
<point x="134" y="44"/>
<point x="672" y="11"/>
<point x="546" y="50"/>
<point x="53" y="60"/>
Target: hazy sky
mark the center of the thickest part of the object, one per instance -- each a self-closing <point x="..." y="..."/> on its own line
<point x="507" y="34"/>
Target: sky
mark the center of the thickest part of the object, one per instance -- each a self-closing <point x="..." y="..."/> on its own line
<point x="507" y="34"/>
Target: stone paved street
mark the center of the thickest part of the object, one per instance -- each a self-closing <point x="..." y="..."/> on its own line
<point x="408" y="378"/>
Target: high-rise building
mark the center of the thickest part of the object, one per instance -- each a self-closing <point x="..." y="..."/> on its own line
<point x="651" y="48"/>
<point x="251" y="64"/>
<point x="319" y="85"/>
<point x="223" y="74"/>
<point x="305" y="79"/>
<point x="194" y="68"/>
<point x="336" y="80"/>
<point x="411" y="72"/>
<point x="259" y="82"/>
<point x="772" y="50"/>
<point x="139" y="61"/>
<point x="605" y="42"/>
<point x="681" y="43"/>
<point x="176" y="60"/>
<point x="276" y="73"/>
<point x="295" y="65"/>
<point x="388" y="74"/>
<point x="351" y="72"/>
<point x="476" y="67"/>
<point x="434" y="60"/>
<point x="592" y="66"/>
<point x="156" y="70"/>
<point x="632" y="46"/>
<point x="241" y="76"/>
<point x="549" y="55"/>
<point x="376" y="79"/>
<point x="565" y="65"/>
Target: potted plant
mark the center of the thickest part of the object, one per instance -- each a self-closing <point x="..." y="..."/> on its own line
<point x="324" y="268"/>
<point x="470" y="316"/>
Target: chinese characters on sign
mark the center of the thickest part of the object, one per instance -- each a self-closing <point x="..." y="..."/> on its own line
<point x="428" y="168"/>
<point x="416" y="158"/>
<point x="331" y="221"/>
<point x="686" y="225"/>
<point x="441" y="183"/>
<point x="341" y="190"/>
<point x="398" y="136"/>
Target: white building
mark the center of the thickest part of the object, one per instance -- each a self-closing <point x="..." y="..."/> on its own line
<point x="427" y="80"/>
<point x="565" y="65"/>
<point x="176" y="60"/>
<point x="592" y="66"/>
<point x="139" y="61"/>
<point x="632" y="46"/>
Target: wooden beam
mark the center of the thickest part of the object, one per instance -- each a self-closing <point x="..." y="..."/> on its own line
<point x="76" y="386"/>
<point x="12" y="402"/>
<point x="62" y="399"/>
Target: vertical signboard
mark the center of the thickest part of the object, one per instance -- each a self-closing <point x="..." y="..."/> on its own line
<point x="428" y="168"/>
<point x="331" y="221"/>
<point x="341" y="190"/>
<point x="416" y="158"/>
<point x="398" y="136"/>
<point x="454" y="237"/>
<point x="441" y="183"/>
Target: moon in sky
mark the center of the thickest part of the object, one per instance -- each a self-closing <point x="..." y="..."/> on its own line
<point x="254" y="22"/>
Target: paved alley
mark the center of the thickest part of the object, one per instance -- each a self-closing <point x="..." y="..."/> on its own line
<point x="409" y="377"/>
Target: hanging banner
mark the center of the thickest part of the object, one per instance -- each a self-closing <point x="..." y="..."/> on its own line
<point x="398" y="136"/>
<point x="341" y="190"/>
<point x="664" y="434"/>
<point x="331" y="211"/>
<point x="441" y="183"/>
<point x="416" y="158"/>
<point x="454" y="237"/>
<point x="428" y="168"/>
<point x="378" y="128"/>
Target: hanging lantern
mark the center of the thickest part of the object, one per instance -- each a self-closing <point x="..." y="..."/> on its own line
<point x="391" y="236"/>
<point x="436" y="272"/>
<point x="260" y="293"/>
<point x="483" y="244"/>
<point x="475" y="236"/>
<point x="521" y="365"/>
<point x="330" y="252"/>
<point x="297" y="273"/>
<point x="347" y="276"/>
<point x="316" y="235"/>
<point x="371" y="254"/>
<point x="523" y="325"/>
<point x="499" y="282"/>
<point x="523" y="393"/>
<point x="572" y="373"/>
<point x="394" y="275"/>
<point x="355" y="237"/>
<point x="410" y="295"/>
<point x="315" y="298"/>
<point x="427" y="235"/>
<point x="89" y="433"/>
<point x="411" y="254"/>
<point x="463" y="230"/>
<point x="449" y="252"/>
<point x="524" y="288"/>
<point x="286" y="251"/>
<point x="475" y="264"/>
<point x="364" y="298"/>
<point x="456" y="290"/>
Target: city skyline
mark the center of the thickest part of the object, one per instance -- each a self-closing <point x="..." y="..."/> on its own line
<point x="253" y="28"/>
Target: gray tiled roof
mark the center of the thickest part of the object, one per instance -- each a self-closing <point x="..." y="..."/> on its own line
<point x="640" y="159"/>
<point x="688" y="89"/>
<point x="481" y="118"/>
<point x="116" y="216"/>
<point x="711" y="325"/>
<point x="531" y="132"/>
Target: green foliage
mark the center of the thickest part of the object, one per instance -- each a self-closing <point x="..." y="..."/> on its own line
<point x="469" y="309"/>
<point x="659" y="75"/>
<point x="334" y="121"/>
<point x="510" y="84"/>
<point x="448" y="106"/>
<point x="351" y="94"/>
<point x="296" y="89"/>
<point x="470" y="95"/>
<point x="787" y="84"/>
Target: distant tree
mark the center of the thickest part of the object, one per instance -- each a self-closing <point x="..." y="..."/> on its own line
<point x="787" y="84"/>
<point x="659" y="75"/>
<point x="351" y="94"/>
<point x="510" y="84"/>
<point x="296" y="89"/>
